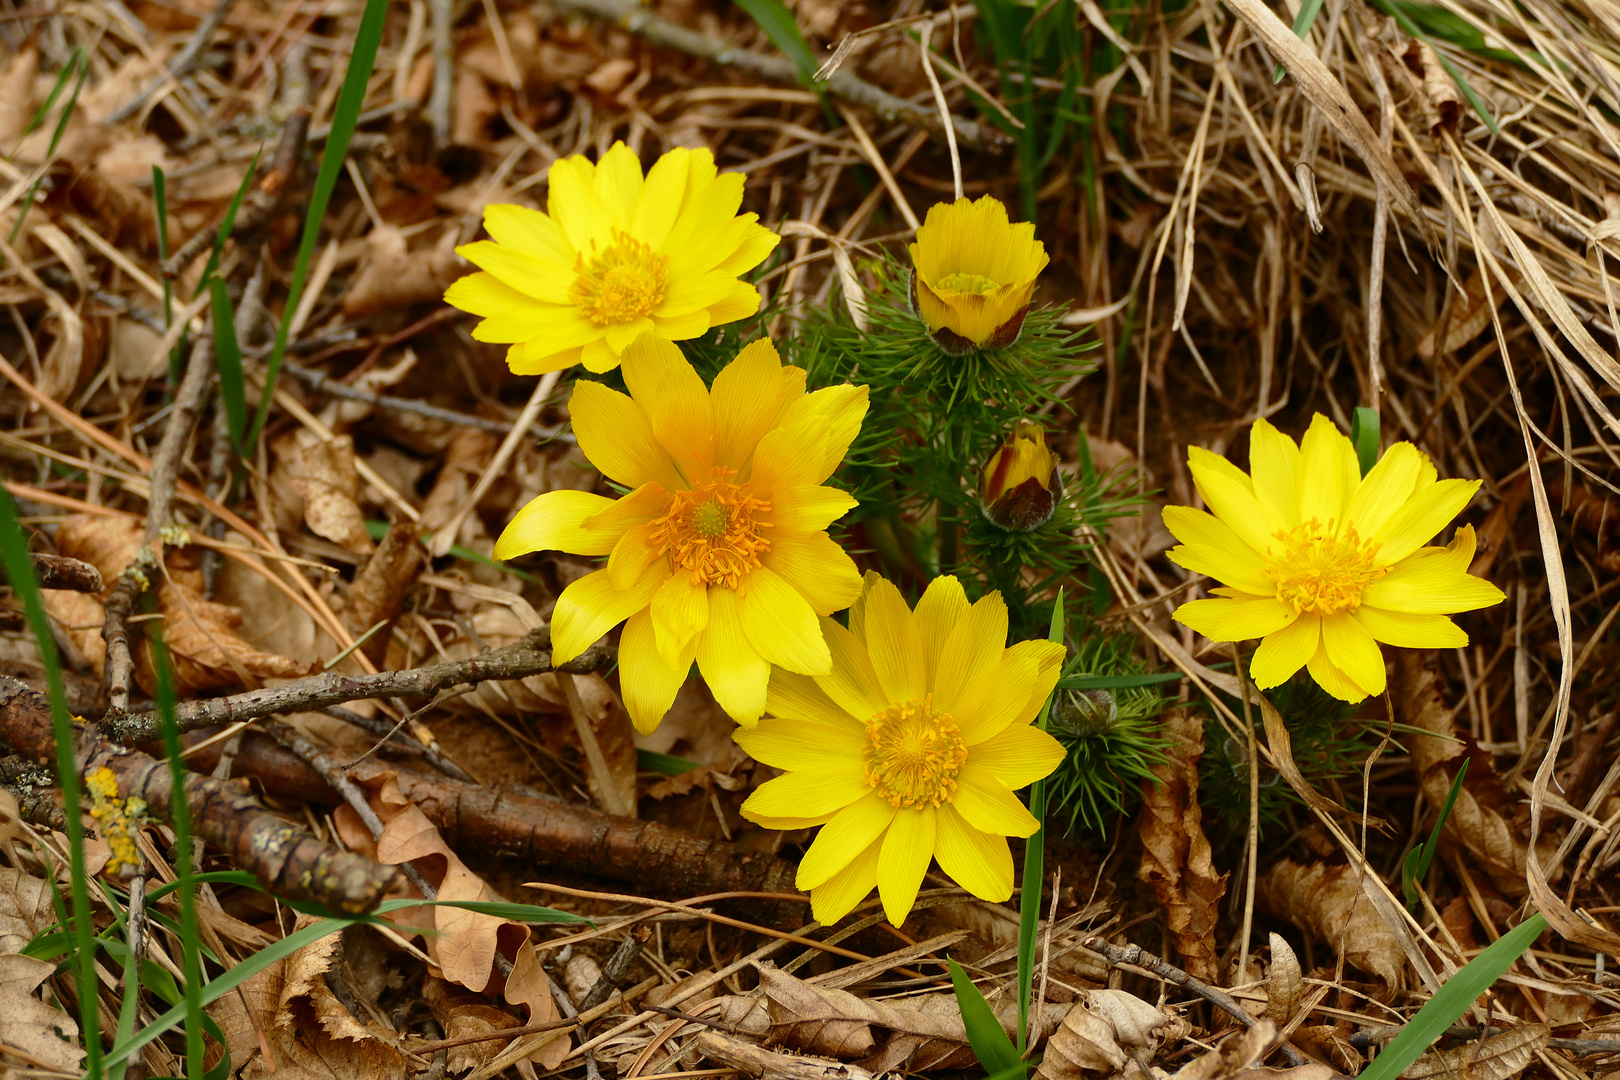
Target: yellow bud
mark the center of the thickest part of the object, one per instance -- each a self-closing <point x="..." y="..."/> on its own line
<point x="1020" y="485"/>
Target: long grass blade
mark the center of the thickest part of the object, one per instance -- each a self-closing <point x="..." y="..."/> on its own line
<point x="1302" y="27"/>
<point x="1029" y="896"/>
<point x="228" y="358"/>
<point x="351" y="98"/>
<point x="77" y="61"/>
<point x="227" y="224"/>
<point x="773" y="17"/>
<point x="985" y="1035"/>
<point x="20" y="572"/>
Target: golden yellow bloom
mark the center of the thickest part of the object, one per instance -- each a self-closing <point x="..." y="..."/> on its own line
<point x="1323" y="564"/>
<point x="1019" y="486"/>
<point x="719" y="553"/>
<point x="616" y="256"/>
<point x="909" y="750"/>
<point x="975" y="274"/>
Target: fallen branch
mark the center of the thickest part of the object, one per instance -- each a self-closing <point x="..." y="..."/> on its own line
<point x="61" y="572"/>
<point x="287" y="860"/>
<point x="529" y="656"/>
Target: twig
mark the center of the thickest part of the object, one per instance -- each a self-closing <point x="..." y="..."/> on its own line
<point x="443" y="13"/>
<point x="30" y="785"/>
<point x="529" y="656"/>
<point x="290" y="862"/>
<point x="613" y="971"/>
<point x="1366" y="1037"/>
<point x="1139" y="957"/>
<point x="638" y="20"/>
<point x="61" y="572"/>
<point x="184" y="62"/>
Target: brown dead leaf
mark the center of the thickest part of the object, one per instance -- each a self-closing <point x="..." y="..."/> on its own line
<point x="1461" y="318"/>
<point x="1285" y="983"/>
<point x="25" y="908"/>
<point x="1231" y="1057"/>
<point x="1103" y="1031"/>
<point x="1413" y="64"/>
<point x="393" y="276"/>
<point x="49" y="1036"/>
<point x="207" y="651"/>
<point x="1176" y="859"/>
<point x="463" y="1015"/>
<point x="1477" y="821"/>
<point x="1499" y="1057"/>
<point x="1328" y="902"/>
<point x="17" y="92"/>
<point x="316" y="480"/>
<point x="380" y="587"/>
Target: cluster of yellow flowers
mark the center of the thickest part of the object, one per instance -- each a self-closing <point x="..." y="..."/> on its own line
<point x="907" y="733"/>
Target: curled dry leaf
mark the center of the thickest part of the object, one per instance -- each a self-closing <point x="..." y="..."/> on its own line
<point x="1462" y="318"/>
<point x="464" y="1015"/>
<point x="1103" y="1031"/>
<point x="1285" y="983"/>
<point x="392" y="276"/>
<point x="1328" y="901"/>
<point x="1494" y="845"/>
<point x="1413" y="64"/>
<point x="1176" y="859"/>
<point x="48" y="1036"/>
<point x="25" y="906"/>
<point x="1499" y="1057"/>
<point x="315" y="479"/>
<point x="1232" y="1056"/>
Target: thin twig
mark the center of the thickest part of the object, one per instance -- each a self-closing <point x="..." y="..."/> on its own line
<point x="61" y="572"/>
<point x="182" y="63"/>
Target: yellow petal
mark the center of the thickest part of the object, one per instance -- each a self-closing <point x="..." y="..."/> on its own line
<point x="1328" y="473"/>
<point x="780" y="624"/>
<point x="746" y="398"/>
<point x="992" y="702"/>
<point x="511" y="316"/>
<point x="736" y="673"/>
<point x="707" y="206"/>
<point x="1422" y="518"/>
<point x="792" y="696"/>
<point x="643" y="504"/>
<point x="617" y="437"/>
<point x="837" y="411"/>
<point x="528" y="274"/>
<point x="853" y="685"/>
<point x="591" y="606"/>
<point x="618" y="184"/>
<point x="804" y="510"/>
<point x="1282" y="653"/>
<point x="1048" y="657"/>
<point x="572" y="202"/>
<point x="1353" y="651"/>
<point x="757" y="245"/>
<point x="972" y="650"/>
<point x="619" y="335"/>
<point x="942" y="606"/>
<point x="680" y="611"/>
<point x="661" y="197"/>
<point x="806" y="795"/>
<point x="694" y="292"/>
<point x="894" y="644"/>
<point x="1333" y="680"/>
<point x="598" y="356"/>
<point x="1434" y="581"/>
<point x="1019" y="756"/>
<point x="530" y="358"/>
<point x="675" y="400"/>
<point x="847" y="888"/>
<point x="1411" y="631"/>
<point x="631" y="556"/>
<point x="851" y="831"/>
<point x="1274" y="466"/>
<point x="787" y="457"/>
<point x="648" y="684"/>
<point x="1235" y="620"/>
<point x="1385" y="489"/>
<point x="531" y="231"/>
<point x="1209" y="546"/>
<point x="819" y="569"/>
<point x="555" y="522"/>
<point x="908" y="848"/>
<point x="682" y="327"/>
<point x="1230" y="494"/>
<point x="857" y="610"/>
<point x="977" y="861"/>
<point x="986" y="804"/>
<point x="740" y="302"/>
<point x="798" y="745"/>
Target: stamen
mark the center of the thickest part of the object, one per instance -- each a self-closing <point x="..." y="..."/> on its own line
<point x="972" y="284"/>
<point x="620" y="284"/>
<point x="913" y="754"/>
<point x="712" y="532"/>
<point x="1320" y="573"/>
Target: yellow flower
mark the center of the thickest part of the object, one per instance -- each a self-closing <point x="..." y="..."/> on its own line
<point x="1019" y="486"/>
<point x="975" y="274"/>
<point x="1323" y="564"/>
<point x="719" y="553"/>
<point x="616" y="256"/>
<point x="909" y="750"/>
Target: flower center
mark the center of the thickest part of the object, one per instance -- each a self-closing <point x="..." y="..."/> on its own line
<point x="972" y="284"/>
<point x="621" y="284"/>
<point x="712" y="531"/>
<point x="913" y="754"/>
<point x="1321" y="574"/>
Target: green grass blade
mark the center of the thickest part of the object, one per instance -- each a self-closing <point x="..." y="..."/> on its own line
<point x="664" y="764"/>
<point x="1365" y="438"/>
<point x="228" y="357"/>
<point x="1425" y="852"/>
<point x="524" y="913"/>
<point x="227" y="223"/>
<point x="351" y="99"/>
<point x="1403" y="19"/>
<point x="180" y="820"/>
<point x="1029" y="895"/>
<point x="1302" y="26"/>
<point x="20" y="572"/>
<point x="75" y="60"/>
<point x="773" y="17"/>
<point x="985" y="1034"/>
<point x="1452" y="1000"/>
<point x="160" y="210"/>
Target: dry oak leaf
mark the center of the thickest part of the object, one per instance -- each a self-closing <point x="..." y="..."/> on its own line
<point x="1285" y="983"/>
<point x="25" y="906"/>
<point x="393" y="276"/>
<point x="1328" y="901"/>
<point x="1103" y="1031"/>
<point x="48" y="1036"/>
<point x="1176" y="859"/>
<point x="462" y="1015"/>
<point x="316" y="479"/>
<point x="207" y="652"/>
<point x="1232" y="1056"/>
<point x="1492" y="842"/>
<point x="1500" y="1057"/>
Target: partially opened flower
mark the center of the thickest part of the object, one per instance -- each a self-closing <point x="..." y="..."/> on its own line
<point x="975" y="274"/>
<point x="909" y="750"/>
<point x="1323" y="564"/>
<point x="719" y="553"/>
<point x="615" y="256"/>
<point x="1020" y="485"/>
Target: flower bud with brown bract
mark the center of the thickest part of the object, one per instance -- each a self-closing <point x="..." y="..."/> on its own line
<point x="1020" y="484"/>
